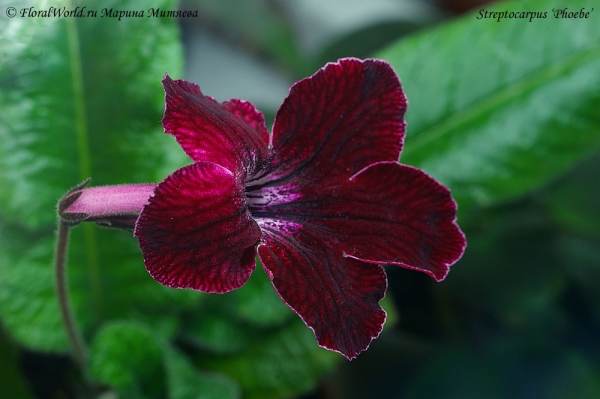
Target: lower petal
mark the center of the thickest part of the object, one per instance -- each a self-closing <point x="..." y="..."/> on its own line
<point x="337" y="297"/>
<point x="195" y="232"/>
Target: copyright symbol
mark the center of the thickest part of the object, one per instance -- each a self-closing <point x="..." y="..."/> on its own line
<point x="11" y="12"/>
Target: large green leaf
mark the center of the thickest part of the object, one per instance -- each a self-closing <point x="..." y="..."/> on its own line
<point x="499" y="108"/>
<point x="81" y="97"/>
<point x="129" y="357"/>
<point x="28" y="304"/>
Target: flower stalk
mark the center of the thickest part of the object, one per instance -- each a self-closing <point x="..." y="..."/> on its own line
<point x="78" y="348"/>
<point x="110" y="206"/>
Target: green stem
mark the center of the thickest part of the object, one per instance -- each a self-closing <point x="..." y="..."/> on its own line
<point x="62" y="289"/>
<point x="85" y="164"/>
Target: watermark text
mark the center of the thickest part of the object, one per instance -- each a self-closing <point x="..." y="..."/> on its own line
<point x="558" y="13"/>
<point x="84" y="12"/>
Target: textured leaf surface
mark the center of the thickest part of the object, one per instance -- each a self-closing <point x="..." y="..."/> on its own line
<point x="29" y="310"/>
<point x="258" y="303"/>
<point x="47" y="146"/>
<point x="232" y="322"/>
<point x="185" y="382"/>
<point x="72" y="109"/>
<point x="128" y="357"/>
<point x="497" y="109"/>
<point x="282" y="363"/>
<point x="131" y="358"/>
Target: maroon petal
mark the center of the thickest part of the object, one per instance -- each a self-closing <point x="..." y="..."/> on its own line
<point x="336" y="297"/>
<point x="195" y="232"/>
<point x="345" y="117"/>
<point x="232" y="134"/>
<point x="247" y="112"/>
<point x="397" y="214"/>
<point x="387" y="214"/>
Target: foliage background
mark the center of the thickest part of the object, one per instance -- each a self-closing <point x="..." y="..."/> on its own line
<point x="504" y="113"/>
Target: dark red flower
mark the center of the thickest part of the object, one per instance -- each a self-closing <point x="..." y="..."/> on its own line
<point x="323" y="200"/>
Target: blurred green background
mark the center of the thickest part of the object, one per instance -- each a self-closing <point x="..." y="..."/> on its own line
<point x="505" y="113"/>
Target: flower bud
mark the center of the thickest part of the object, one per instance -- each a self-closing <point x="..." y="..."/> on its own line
<point x="111" y="206"/>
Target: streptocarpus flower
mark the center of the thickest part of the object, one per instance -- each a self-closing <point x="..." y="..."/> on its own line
<point x="322" y="200"/>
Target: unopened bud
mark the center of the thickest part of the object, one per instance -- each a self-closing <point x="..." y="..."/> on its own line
<point x="111" y="206"/>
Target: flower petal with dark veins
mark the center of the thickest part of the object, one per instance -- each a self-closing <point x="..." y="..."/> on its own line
<point x="231" y="134"/>
<point x="345" y="117"/>
<point x="196" y="232"/>
<point x="397" y="214"/>
<point x="324" y="197"/>
<point x="247" y="112"/>
<point x="387" y="213"/>
<point x="337" y="297"/>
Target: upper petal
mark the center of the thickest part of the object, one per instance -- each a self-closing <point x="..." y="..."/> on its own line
<point x="336" y="297"/>
<point x="231" y="134"/>
<point x="345" y="117"/>
<point x="388" y="213"/>
<point x="247" y="112"/>
<point x="196" y="232"/>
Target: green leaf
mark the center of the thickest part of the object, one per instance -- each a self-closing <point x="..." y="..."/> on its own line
<point x="282" y="363"/>
<point x="81" y="97"/>
<point x="47" y="145"/>
<point x="185" y="382"/>
<point x="258" y="303"/>
<point x="28" y="303"/>
<point x="230" y="322"/>
<point x="215" y="331"/>
<point x="128" y="357"/>
<point x="131" y="358"/>
<point x="497" y="109"/>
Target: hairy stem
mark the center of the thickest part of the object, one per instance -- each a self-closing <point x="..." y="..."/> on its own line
<point x="75" y="339"/>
